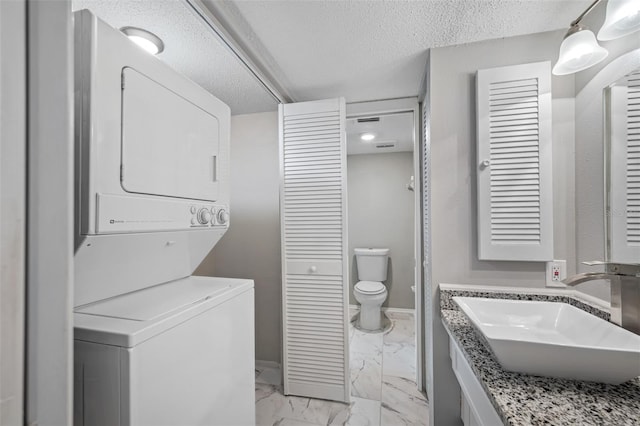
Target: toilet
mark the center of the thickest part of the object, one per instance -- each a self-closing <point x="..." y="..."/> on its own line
<point x="370" y="292"/>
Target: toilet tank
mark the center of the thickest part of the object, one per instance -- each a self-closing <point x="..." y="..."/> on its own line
<point x="372" y="263"/>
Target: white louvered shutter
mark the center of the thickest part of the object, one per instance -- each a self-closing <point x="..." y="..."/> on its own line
<point x="314" y="249"/>
<point x="624" y="213"/>
<point x="515" y="194"/>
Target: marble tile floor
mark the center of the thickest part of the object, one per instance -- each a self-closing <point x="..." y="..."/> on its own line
<point x="382" y="385"/>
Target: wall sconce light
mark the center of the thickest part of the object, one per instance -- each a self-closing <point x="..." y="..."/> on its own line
<point x="580" y="50"/>
<point x="623" y="17"/>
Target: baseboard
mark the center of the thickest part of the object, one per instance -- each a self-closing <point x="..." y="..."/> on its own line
<point x="385" y="309"/>
<point x="260" y="363"/>
<point x="399" y="310"/>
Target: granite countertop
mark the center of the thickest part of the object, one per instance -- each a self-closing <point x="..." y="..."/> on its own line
<point x="521" y="399"/>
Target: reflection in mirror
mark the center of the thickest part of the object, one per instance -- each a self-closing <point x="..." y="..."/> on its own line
<point x="190" y="47"/>
<point x="622" y="131"/>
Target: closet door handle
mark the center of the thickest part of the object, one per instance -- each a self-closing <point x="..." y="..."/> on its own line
<point x="313" y="269"/>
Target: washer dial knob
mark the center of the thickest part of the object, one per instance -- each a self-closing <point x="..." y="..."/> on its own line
<point x="223" y="216"/>
<point x="204" y="216"/>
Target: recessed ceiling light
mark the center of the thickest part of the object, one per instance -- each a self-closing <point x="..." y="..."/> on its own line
<point x="145" y="39"/>
<point x="367" y="137"/>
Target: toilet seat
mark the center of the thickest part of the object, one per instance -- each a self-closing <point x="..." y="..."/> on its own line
<point x="370" y="287"/>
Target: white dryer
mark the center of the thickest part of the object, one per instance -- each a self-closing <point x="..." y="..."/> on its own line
<point x="152" y="166"/>
<point x="179" y="353"/>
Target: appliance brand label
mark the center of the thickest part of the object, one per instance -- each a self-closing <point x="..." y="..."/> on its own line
<point x="117" y="221"/>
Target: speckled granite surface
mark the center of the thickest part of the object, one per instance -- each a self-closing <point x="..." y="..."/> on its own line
<point x="521" y="399"/>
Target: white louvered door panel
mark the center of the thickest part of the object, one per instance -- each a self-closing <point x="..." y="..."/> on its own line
<point x="515" y="194"/>
<point x="624" y="214"/>
<point x="314" y="249"/>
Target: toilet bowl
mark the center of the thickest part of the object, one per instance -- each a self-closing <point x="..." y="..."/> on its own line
<point x="370" y="292"/>
<point x="371" y="295"/>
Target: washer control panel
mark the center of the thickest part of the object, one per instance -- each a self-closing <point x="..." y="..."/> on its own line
<point x="208" y="215"/>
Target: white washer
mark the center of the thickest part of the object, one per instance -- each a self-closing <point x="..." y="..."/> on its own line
<point x="179" y="353"/>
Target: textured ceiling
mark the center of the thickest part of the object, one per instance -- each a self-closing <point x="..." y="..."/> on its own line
<point x="190" y="48"/>
<point x="359" y="49"/>
<point x="366" y="50"/>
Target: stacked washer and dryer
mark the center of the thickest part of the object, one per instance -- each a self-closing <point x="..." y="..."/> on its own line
<point x="153" y="344"/>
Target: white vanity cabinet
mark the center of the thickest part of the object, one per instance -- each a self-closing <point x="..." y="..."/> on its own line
<point x="475" y="407"/>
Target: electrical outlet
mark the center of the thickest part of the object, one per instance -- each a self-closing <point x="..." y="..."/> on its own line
<point x="556" y="272"/>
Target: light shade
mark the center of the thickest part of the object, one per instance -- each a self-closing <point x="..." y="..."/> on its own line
<point x="145" y="39"/>
<point x="578" y="51"/>
<point x="623" y="17"/>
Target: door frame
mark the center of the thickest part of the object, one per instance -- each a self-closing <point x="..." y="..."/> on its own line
<point x="395" y="106"/>
<point x="49" y="282"/>
<point x="13" y="203"/>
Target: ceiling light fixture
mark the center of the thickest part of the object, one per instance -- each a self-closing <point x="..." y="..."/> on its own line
<point x="367" y="137"/>
<point x="580" y="49"/>
<point x="145" y="39"/>
<point x="623" y="17"/>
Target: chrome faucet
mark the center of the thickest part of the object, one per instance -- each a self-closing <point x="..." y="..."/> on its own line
<point x="625" y="291"/>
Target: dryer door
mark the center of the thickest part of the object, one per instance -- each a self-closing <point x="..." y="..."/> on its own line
<point x="169" y="144"/>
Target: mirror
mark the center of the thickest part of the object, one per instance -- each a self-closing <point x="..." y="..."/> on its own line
<point x="190" y="47"/>
<point x="592" y="163"/>
<point x="622" y="164"/>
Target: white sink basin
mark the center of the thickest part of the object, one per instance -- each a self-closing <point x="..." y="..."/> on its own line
<point x="554" y="339"/>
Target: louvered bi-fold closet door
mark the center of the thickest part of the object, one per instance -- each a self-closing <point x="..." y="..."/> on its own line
<point x="515" y="194"/>
<point x="624" y="214"/>
<point x="314" y="249"/>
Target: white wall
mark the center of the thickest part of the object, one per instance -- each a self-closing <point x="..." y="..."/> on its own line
<point x="453" y="185"/>
<point x="251" y="246"/>
<point x="381" y="214"/>
<point x="454" y="233"/>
